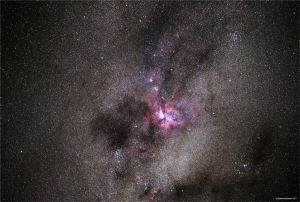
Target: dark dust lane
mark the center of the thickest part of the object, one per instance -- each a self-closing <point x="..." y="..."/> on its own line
<point x="149" y="101"/>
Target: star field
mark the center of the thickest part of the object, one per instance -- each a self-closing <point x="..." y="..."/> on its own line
<point x="149" y="101"/>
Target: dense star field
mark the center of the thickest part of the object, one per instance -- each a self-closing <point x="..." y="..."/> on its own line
<point x="149" y="101"/>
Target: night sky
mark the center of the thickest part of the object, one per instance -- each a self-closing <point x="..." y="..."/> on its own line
<point x="149" y="101"/>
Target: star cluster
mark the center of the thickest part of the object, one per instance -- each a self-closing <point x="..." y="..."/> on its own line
<point x="149" y="101"/>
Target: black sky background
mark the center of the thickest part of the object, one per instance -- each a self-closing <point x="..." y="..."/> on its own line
<point x="26" y="74"/>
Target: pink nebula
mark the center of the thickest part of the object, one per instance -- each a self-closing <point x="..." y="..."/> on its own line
<point x="164" y="114"/>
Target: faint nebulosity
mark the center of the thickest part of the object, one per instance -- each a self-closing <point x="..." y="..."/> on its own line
<point x="149" y="101"/>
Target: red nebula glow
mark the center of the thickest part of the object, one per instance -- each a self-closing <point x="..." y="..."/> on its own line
<point x="164" y="115"/>
<point x="154" y="191"/>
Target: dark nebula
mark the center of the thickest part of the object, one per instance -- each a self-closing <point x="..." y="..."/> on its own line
<point x="149" y="101"/>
